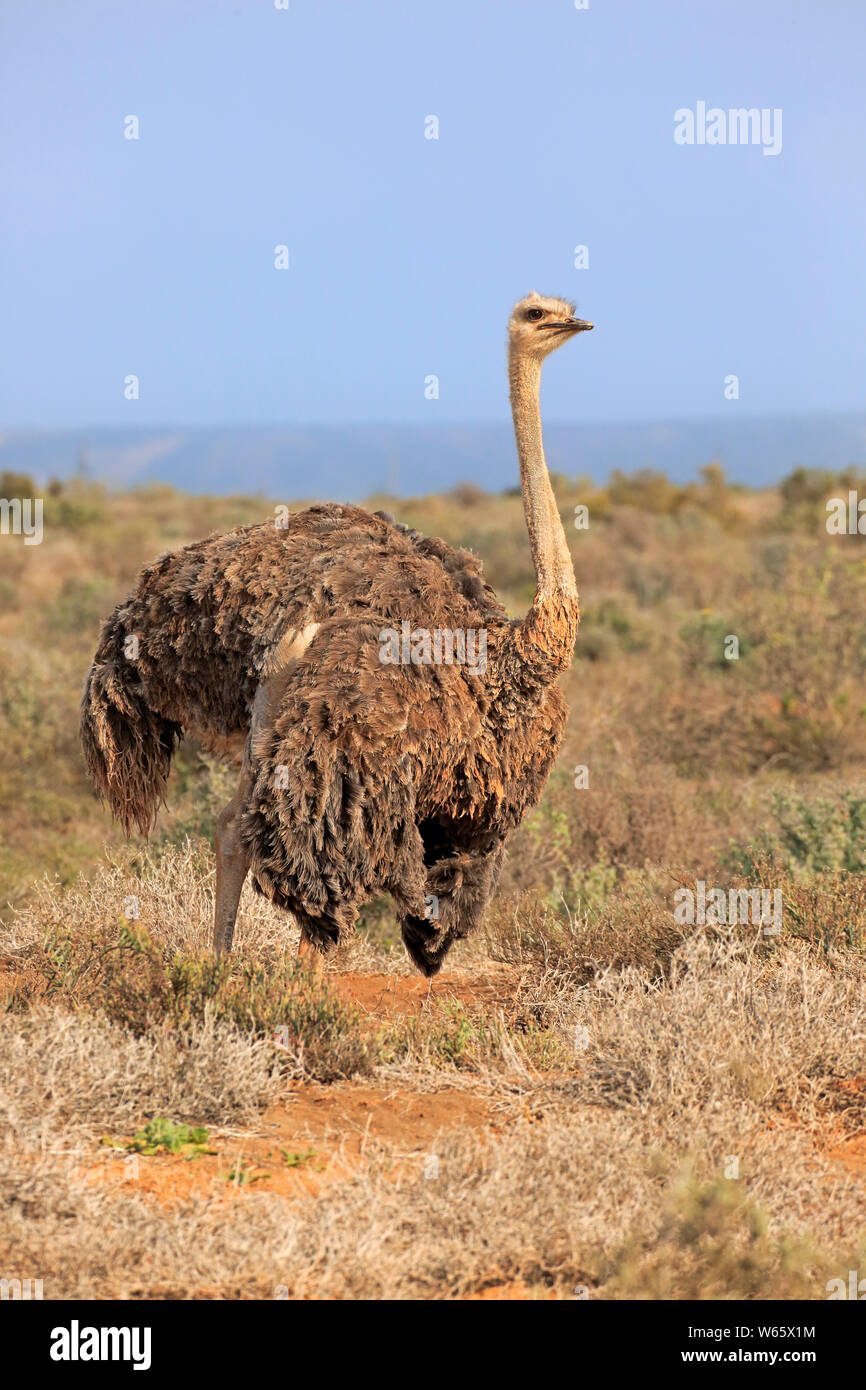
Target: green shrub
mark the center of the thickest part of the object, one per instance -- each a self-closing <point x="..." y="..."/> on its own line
<point x="810" y="837"/>
<point x="713" y="1243"/>
<point x="704" y="641"/>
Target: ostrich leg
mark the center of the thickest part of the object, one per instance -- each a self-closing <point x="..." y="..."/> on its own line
<point x="232" y="866"/>
<point x="309" y="957"/>
<point x="231" y="870"/>
<point x="232" y="863"/>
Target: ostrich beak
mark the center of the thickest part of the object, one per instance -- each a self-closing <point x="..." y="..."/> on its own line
<point x="573" y="325"/>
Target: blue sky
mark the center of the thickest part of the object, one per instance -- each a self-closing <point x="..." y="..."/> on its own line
<point x="306" y="127"/>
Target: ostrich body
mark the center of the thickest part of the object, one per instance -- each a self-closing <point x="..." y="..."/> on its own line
<point x="359" y="775"/>
<point x="370" y="777"/>
<point x="187" y="650"/>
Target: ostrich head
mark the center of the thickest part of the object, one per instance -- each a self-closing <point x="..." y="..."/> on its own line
<point x="538" y="325"/>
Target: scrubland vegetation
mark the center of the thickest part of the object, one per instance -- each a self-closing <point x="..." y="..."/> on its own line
<point x="623" y="1105"/>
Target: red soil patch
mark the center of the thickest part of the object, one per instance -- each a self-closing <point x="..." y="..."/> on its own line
<point x="320" y="1134"/>
<point x="836" y="1141"/>
<point x="851" y="1153"/>
<point x="840" y="1144"/>
<point x="854" y="1085"/>
<point x="406" y="996"/>
<point x="514" y="1292"/>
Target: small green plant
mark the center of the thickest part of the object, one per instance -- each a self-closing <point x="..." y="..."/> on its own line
<point x="457" y="1034"/>
<point x="239" y="1174"/>
<point x="299" y="1160"/>
<point x="447" y="1035"/>
<point x="551" y="830"/>
<point x="164" y="1136"/>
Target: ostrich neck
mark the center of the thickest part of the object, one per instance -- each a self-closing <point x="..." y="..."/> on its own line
<point x="549" y="629"/>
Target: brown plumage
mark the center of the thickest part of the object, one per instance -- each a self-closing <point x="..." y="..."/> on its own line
<point x="406" y="779"/>
<point x="187" y="650"/>
<point x="359" y="775"/>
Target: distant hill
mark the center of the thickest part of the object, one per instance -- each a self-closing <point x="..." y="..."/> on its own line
<point x="352" y="461"/>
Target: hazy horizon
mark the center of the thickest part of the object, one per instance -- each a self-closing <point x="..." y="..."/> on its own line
<point x="302" y="423"/>
<point x="351" y="461"/>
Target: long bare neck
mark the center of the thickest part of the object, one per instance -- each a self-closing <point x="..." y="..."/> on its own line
<point x="549" y="629"/>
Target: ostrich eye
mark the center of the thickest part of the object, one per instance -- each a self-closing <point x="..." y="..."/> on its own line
<point x="535" y="314"/>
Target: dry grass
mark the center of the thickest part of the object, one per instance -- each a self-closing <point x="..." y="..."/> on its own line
<point x="632" y="1064"/>
<point x="614" y="1175"/>
<point x="624" y="1092"/>
<point x="69" y="1075"/>
<point x="77" y="949"/>
<point x="586" y="1207"/>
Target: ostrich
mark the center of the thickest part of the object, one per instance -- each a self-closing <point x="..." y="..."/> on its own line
<point x="358" y="775"/>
